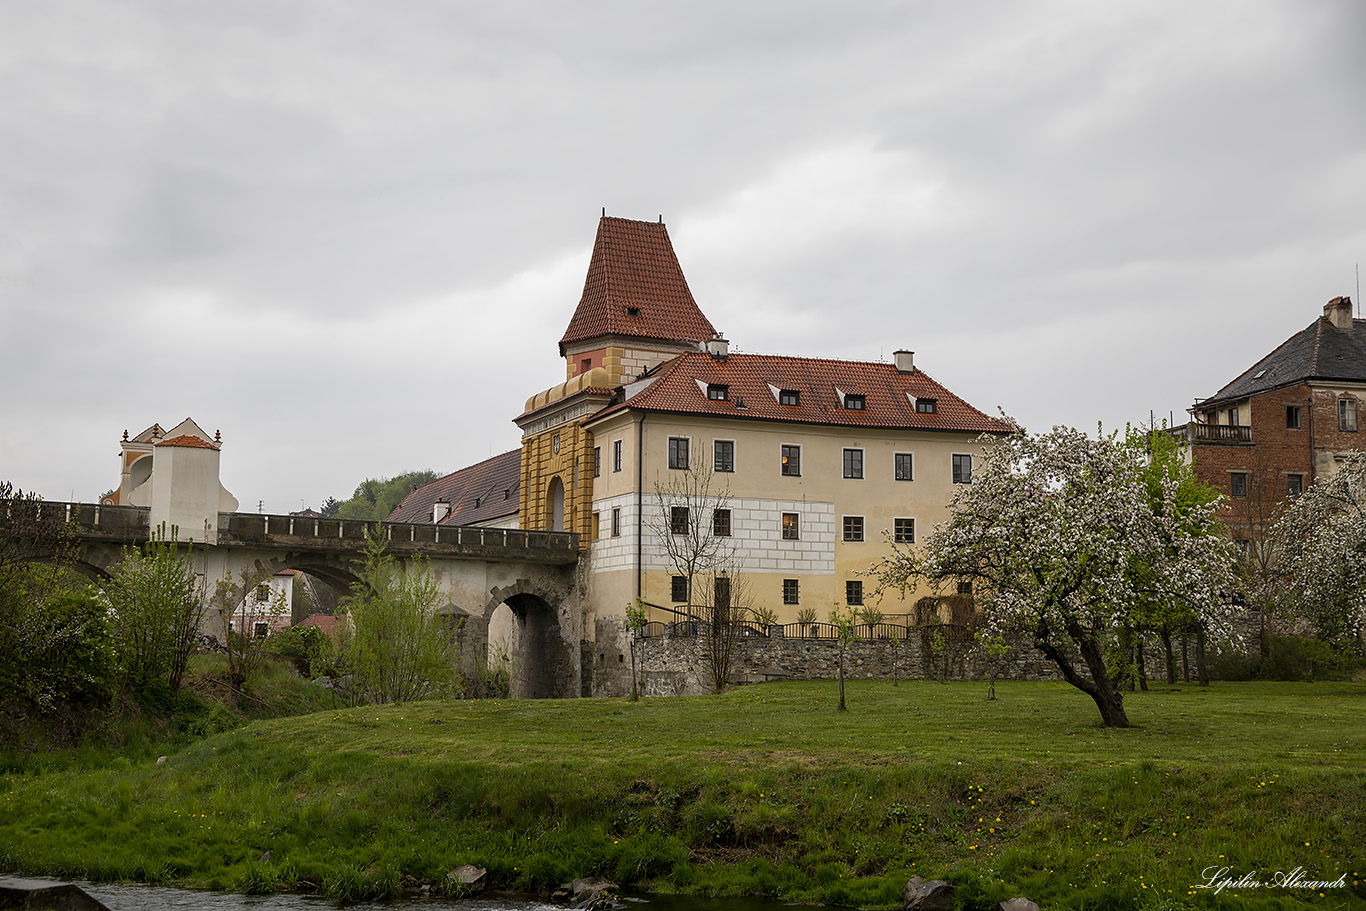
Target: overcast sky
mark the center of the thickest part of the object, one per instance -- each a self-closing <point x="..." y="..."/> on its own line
<point x="349" y="235"/>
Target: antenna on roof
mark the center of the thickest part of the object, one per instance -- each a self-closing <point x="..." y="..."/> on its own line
<point x="1358" y="289"/>
<point x="661" y="221"/>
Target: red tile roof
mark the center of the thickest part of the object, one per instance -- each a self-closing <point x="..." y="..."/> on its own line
<point x="488" y="490"/>
<point x="186" y="441"/>
<point x="325" y="622"/>
<point x="753" y="378"/>
<point x="634" y="268"/>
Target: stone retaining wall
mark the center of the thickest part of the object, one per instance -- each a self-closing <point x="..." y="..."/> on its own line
<point x="674" y="666"/>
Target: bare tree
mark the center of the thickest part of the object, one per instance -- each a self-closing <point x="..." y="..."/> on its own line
<point x="724" y="599"/>
<point x="692" y="524"/>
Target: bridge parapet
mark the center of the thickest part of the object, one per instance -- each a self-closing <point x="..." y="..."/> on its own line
<point x="132" y="525"/>
<point x="126" y="524"/>
<point x="554" y="548"/>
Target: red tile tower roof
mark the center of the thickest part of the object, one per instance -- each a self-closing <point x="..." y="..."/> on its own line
<point x="635" y="289"/>
<point x="186" y="441"/>
<point x="754" y="384"/>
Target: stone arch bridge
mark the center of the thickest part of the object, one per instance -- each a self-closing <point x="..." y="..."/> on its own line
<point x="476" y="569"/>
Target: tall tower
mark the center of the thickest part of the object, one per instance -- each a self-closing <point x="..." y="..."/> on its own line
<point x="636" y="312"/>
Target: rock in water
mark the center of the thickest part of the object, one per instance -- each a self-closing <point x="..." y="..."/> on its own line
<point x="927" y="895"/>
<point x="469" y="877"/>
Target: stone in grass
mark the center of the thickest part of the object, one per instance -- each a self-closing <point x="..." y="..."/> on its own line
<point x="1018" y="904"/>
<point x="468" y="878"/>
<point x="927" y="895"/>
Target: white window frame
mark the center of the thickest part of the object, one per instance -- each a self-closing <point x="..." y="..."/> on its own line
<point x="733" y="449"/>
<point x="668" y="452"/>
<point x="898" y="540"/>
<point x="616" y="455"/>
<point x="862" y="463"/>
<point x="909" y="455"/>
<point x="966" y="455"/>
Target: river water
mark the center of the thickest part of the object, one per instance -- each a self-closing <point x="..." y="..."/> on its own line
<point x="126" y="897"/>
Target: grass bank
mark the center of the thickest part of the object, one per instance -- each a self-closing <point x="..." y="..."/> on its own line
<point x="765" y="790"/>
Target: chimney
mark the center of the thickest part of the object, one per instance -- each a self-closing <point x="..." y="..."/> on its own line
<point x="440" y="509"/>
<point x="905" y="361"/>
<point x="718" y="347"/>
<point x="1338" y="311"/>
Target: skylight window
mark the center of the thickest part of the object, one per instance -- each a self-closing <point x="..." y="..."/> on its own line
<point x="1259" y="374"/>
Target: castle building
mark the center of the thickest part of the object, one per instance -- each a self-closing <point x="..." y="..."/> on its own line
<point x="809" y="464"/>
<point x="1285" y="421"/>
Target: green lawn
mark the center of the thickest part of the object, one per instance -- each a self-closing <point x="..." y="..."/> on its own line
<point x="765" y="790"/>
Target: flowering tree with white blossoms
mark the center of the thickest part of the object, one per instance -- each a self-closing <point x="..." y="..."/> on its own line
<point x="1321" y="542"/>
<point x="1064" y="539"/>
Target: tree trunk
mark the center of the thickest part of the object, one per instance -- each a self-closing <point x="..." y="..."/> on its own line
<point x="1166" y="635"/>
<point x="842" y="707"/>
<point x="1201" y="668"/>
<point x="1142" y="664"/>
<point x="1108" y="699"/>
<point x="1185" y="660"/>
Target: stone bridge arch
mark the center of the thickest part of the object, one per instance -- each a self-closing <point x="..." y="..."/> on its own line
<point x="545" y="660"/>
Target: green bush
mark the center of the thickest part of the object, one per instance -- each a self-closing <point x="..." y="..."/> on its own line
<point x="308" y="648"/>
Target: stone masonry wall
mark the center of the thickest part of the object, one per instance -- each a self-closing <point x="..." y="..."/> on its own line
<point x="673" y="665"/>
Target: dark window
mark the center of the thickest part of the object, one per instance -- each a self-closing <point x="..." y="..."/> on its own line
<point x="262" y="630"/>
<point x="633" y="311"/>
<point x="721" y="592"/>
<point x="791" y="531"/>
<point x="585" y="365"/>
<point x="723" y="455"/>
<point x="1294" y="485"/>
<point x="791" y="591"/>
<point x="720" y="523"/>
<point x="1347" y="414"/>
<point x="263" y="592"/>
<point x="962" y="469"/>
<point x="792" y="461"/>
<point x="616" y="455"/>
<point x="903" y="531"/>
<point x="853" y="463"/>
<point x="853" y="593"/>
<point x="905" y="466"/>
<point x="717" y="392"/>
<point x="678" y="453"/>
<point x="1243" y="547"/>
<point x="616" y="522"/>
<point x="853" y="528"/>
<point x="1233" y="417"/>
<point x="679" y="589"/>
<point x="789" y="397"/>
<point x="1292" y="417"/>
<point x="927" y="406"/>
<point x="854" y="402"/>
<point x="964" y="588"/>
<point x="597" y="461"/>
<point x="678" y="520"/>
<point x="1237" y="483"/>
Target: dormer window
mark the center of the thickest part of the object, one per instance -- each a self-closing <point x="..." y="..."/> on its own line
<point x="854" y="402"/>
<point x="926" y="406"/>
<point x="718" y="392"/>
<point x="789" y="397"/>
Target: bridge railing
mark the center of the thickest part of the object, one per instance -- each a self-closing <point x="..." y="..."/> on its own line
<point x="257" y="526"/>
<point x="129" y="523"/>
<point x="132" y="523"/>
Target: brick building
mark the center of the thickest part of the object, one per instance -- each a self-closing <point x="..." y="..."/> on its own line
<point x="1288" y="419"/>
